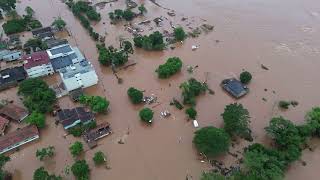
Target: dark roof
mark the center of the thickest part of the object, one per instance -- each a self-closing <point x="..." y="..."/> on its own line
<point x="56" y="42"/>
<point x="93" y="135"/>
<point x="75" y="94"/>
<point x="13" y="112"/>
<point x="61" y="62"/>
<point x="69" y="116"/>
<point x="18" y="136"/>
<point x="62" y="49"/>
<point x="234" y="87"/>
<point x="36" y="59"/>
<point x="38" y="31"/>
<point x="9" y="75"/>
<point x="3" y="124"/>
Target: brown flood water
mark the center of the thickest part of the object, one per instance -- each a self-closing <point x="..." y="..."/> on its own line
<point x="282" y="35"/>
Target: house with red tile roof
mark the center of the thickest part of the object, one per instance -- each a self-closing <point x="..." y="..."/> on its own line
<point x="37" y="64"/>
<point x="13" y="113"/>
<point x="18" y="138"/>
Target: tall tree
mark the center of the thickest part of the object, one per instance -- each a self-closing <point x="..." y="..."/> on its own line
<point x="59" y="23"/>
<point x="76" y="149"/>
<point x="80" y="170"/>
<point x="37" y="119"/>
<point x="8" y="5"/>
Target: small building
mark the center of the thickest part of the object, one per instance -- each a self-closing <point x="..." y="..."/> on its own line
<point x="56" y="42"/>
<point x="76" y="94"/>
<point x="18" y="138"/>
<point x="97" y="133"/>
<point x="4" y="122"/>
<point x="81" y="75"/>
<point x="234" y="87"/>
<point x="72" y="117"/>
<point x="11" y="77"/>
<point x="37" y="64"/>
<point x="43" y="33"/>
<point x="64" y="55"/>
<point x="8" y="55"/>
<point x="13" y="113"/>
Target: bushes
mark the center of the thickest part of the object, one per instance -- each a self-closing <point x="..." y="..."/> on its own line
<point x="245" y="77"/>
<point x="172" y="66"/>
<point x="211" y="141"/>
<point x="146" y="115"/>
<point x="152" y="42"/>
<point x="96" y="103"/>
<point x="119" y="14"/>
<point x="35" y="43"/>
<point x="43" y="153"/>
<point x="191" y="112"/>
<point x="59" y="23"/>
<point x="42" y="174"/>
<point x="190" y="90"/>
<point x="135" y="95"/>
<point x="37" y="119"/>
<point x="179" y="34"/>
<point x="128" y="15"/>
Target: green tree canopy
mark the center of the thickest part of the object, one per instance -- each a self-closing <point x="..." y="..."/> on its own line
<point x="96" y="103"/>
<point x="59" y="23"/>
<point x="212" y="176"/>
<point x="99" y="158"/>
<point x="211" y="141"/>
<point x="191" y="112"/>
<point x="171" y="67"/>
<point x="3" y="160"/>
<point x="191" y="89"/>
<point x="29" y="11"/>
<point x="135" y="95"/>
<point x="152" y="42"/>
<point x="146" y="115"/>
<point x="80" y="170"/>
<point x="142" y="9"/>
<point x="112" y="56"/>
<point x="76" y="149"/>
<point x="37" y="119"/>
<point x="128" y="15"/>
<point x="8" y="5"/>
<point x="236" y="120"/>
<point x="35" y="43"/>
<point x="245" y="77"/>
<point x="313" y="121"/>
<point x="42" y="174"/>
<point x="179" y="34"/>
<point x="43" y="153"/>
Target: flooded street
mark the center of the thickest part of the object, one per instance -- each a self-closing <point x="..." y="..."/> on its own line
<point x="282" y="35"/>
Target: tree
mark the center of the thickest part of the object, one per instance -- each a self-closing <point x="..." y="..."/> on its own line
<point x="212" y="176"/>
<point x="96" y="103"/>
<point x="3" y="160"/>
<point x="93" y="15"/>
<point x="42" y="174"/>
<point x="211" y="141"/>
<point x="76" y="149"/>
<point x="171" y="67"/>
<point x="37" y="119"/>
<point x="191" y="112"/>
<point x="190" y="90"/>
<point x="146" y="115"/>
<point x="127" y="46"/>
<point x="118" y="14"/>
<point x="29" y="11"/>
<point x="8" y="5"/>
<point x="152" y="42"/>
<point x="99" y="158"/>
<point x="179" y="34"/>
<point x="14" y="26"/>
<point x="135" y="95"/>
<point x="313" y="121"/>
<point x="43" y="153"/>
<point x="80" y="170"/>
<point x="112" y="56"/>
<point x="142" y="9"/>
<point x="245" y="77"/>
<point x="37" y="95"/>
<point x="59" y="23"/>
<point x="128" y="15"/>
<point x="236" y="120"/>
<point x="35" y="43"/>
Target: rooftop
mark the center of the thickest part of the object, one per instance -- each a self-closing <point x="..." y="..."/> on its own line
<point x="42" y="30"/>
<point x="80" y="68"/>
<point x="56" y="42"/>
<point x="36" y="59"/>
<point x="93" y="135"/>
<point x="234" y="87"/>
<point x="18" y="136"/>
<point x="69" y="116"/>
<point x="12" y="75"/>
<point x="3" y="124"/>
<point x="13" y="112"/>
<point x="61" y="50"/>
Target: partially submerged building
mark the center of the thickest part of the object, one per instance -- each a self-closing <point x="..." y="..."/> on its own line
<point x="71" y="117"/>
<point x="80" y="75"/>
<point x="234" y="87"/>
<point x="64" y="55"/>
<point x="43" y="33"/>
<point x="11" y="77"/>
<point x="13" y="113"/>
<point x="8" y="55"/>
<point x="18" y="138"/>
<point x="37" y="64"/>
<point x="97" y="133"/>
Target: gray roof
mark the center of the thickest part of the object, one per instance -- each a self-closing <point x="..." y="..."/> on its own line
<point x="62" y="49"/>
<point x="61" y="62"/>
<point x="234" y="87"/>
<point x="80" y="68"/>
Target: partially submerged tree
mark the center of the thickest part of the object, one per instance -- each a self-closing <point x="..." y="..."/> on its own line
<point x="211" y="141"/>
<point x="152" y="42"/>
<point x="76" y="149"/>
<point x="96" y="103"/>
<point x="42" y="174"/>
<point x="29" y="11"/>
<point x="191" y="112"/>
<point x="236" y="120"/>
<point x="146" y="115"/>
<point x="142" y="9"/>
<point x="99" y="158"/>
<point x="179" y="34"/>
<point x="37" y="119"/>
<point x="43" y="153"/>
<point x="3" y="160"/>
<point x="135" y="95"/>
<point x="59" y="23"/>
<point x="128" y="15"/>
<point x="35" y="43"/>
<point x="80" y="170"/>
<point x="111" y="56"/>
<point x="171" y="67"/>
<point x="190" y="90"/>
<point x="8" y="5"/>
<point x="245" y="77"/>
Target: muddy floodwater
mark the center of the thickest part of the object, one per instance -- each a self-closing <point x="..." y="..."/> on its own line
<point x="283" y="35"/>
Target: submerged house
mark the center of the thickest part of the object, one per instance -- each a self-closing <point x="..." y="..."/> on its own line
<point x="71" y="117"/>
<point x="43" y="33"/>
<point x="37" y="64"/>
<point x="18" y="138"/>
<point x="13" y="113"/>
<point x="11" y="77"/>
<point x="97" y="133"/>
<point x="234" y="87"/>
<point x="81" y="75"/>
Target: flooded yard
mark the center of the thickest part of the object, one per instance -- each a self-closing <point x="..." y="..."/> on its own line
<point x="281" y="35"/>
